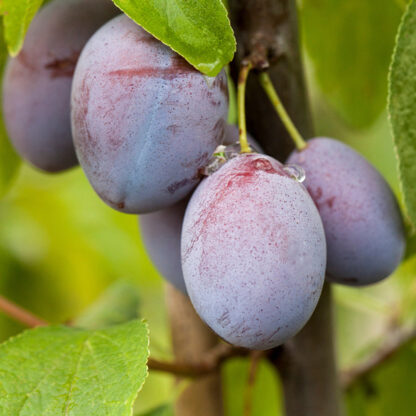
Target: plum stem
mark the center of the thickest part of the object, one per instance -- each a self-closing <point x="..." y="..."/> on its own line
<point x="274" y="98"/>
<point x="241" y="105"/>
<point x="255" y="358"/>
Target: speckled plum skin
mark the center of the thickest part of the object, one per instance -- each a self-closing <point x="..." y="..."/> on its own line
<point x="253" y="252"/>
<point x="362" y="220"/>
<point x="37" y="83"/>
<point x="144" y="121"/>
<point x="161" y="230"/>
<point x="161" y="235"/>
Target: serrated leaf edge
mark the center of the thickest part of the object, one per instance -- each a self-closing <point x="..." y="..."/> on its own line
<point x="389" y="103"/>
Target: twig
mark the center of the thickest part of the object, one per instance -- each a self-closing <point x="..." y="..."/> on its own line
<point x="248" y="397"/>
<point x="19" y="314"/>
<point x="394" y="342"/>
<point x="210" y="362"/>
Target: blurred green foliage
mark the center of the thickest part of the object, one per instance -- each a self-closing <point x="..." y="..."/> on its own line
<point x="350" y="44"/>
<point x="9" y="161"/>
<point x="61" y="247"/>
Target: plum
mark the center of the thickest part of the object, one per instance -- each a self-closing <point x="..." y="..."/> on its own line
<point x="37" y="83"/>
<point x="144" y="121"/>
<point x="161" y="234"/>
<point x="362" y="220"/>
<point x="253" y="252"/>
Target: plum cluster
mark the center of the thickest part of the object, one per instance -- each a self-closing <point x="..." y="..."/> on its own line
<point x="240" y="234"/>
<point x="37" y="83"/>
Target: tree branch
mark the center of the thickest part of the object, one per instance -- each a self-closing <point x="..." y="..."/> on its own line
<point x="269" y="28"/>
<point x="20" y="314"/>
<point x="394" y="343"/>
<point x="209" y="362"/>
<point x="267" y="35"/>
<point x="191" y="340"/>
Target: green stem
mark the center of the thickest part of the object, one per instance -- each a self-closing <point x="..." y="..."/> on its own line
<point x="241" y="92"/>
<point x="268" y="87"/>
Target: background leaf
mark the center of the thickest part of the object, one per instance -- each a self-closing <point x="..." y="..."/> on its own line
<point x="9" y="161"/>
<point x="402" y="107"/>
<point x="388" y="391"/>
<point x="350" y="43"/>
<point x="265" y="401"/>
<point x="166" y="410"/>
<point x="17" y="16"/>
<point x="58" y="370"/>
<point x="119" y="303"/>
<point x="199" y="30"/>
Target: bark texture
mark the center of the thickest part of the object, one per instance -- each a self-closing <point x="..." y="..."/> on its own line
<point x="267" y="30"/>
<point x="191" y="339"/>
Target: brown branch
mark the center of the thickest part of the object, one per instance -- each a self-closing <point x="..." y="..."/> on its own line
<point x="307" y="362"/>
<point x="20" y="314"/>
<point x="266" y="32"/>
<point x="209" y="363"/>
<point x="191" y="340"/>
<point x="394" y="343"/>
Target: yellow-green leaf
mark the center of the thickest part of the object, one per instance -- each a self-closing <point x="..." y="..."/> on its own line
<point x="402" y="107"/>
<point x="58" y="370"/>
<point x="17" y="15"/>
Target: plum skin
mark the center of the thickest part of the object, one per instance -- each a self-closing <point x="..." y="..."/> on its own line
<point x="362" y="220"/>
<point x="144" y="121"/>
<point x="161" y="230"/>
<point x="161" y="235"/>
<point x="37" y="83"/>
<point x="253" y="252"/>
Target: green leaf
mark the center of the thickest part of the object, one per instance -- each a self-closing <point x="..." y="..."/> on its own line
<point x="17" y="16"/>
<point x="267" y="390"/>
<point x="9" y="161"/>
<point x="199" y="30"/>
<point x="402" y="107"/>
<point x="119" y="303"/>
<point x="166" y="410"/>
<point x="350" y="43"/>
<point x="58" y="370"/>
<point x="387" y="391"/>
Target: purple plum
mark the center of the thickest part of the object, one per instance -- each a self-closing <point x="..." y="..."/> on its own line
<point x="253" y="252"/>
<point x="161" y="234"/>
<point x="362" y="220"/>
<point x="37" y="83"/>
<point x="144" y="121"/>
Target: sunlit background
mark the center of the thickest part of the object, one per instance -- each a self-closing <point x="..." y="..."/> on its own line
<point x="61" y="247"/>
